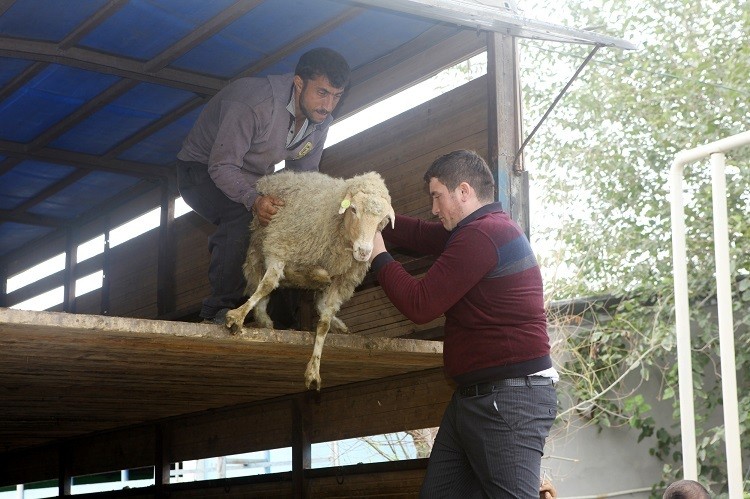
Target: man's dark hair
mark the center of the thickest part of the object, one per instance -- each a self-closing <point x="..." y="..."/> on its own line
<point x="463" y="166"/>
<point x="323" y="62"/>
<point x="686" y="489"/>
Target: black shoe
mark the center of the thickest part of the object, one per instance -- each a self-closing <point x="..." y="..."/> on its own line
<point x="220" y="318"/>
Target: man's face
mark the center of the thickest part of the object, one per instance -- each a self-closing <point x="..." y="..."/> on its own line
<point x="445" y="204"/>
<point x="317" y="97"/>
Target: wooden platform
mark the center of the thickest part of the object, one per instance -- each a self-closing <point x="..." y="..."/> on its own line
<point x="65" y="375"/>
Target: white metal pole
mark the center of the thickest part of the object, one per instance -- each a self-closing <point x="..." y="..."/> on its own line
<point x="682" y="316"/>
<point x="726" y="327"/>
<point x="682" y="327"/>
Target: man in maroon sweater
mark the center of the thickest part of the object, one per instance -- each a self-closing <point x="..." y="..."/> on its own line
<point x="487" y="283"/>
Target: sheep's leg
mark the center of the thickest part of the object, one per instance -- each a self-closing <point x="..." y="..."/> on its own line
<point x="312" y="373"/>
<point x="269" y="282"/>
<point x="261" y="313"/>
<point x="327" y="305"/>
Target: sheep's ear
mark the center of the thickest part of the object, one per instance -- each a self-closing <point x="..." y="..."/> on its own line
<point x="345" y="203"/>
<point x="392" y="216"/>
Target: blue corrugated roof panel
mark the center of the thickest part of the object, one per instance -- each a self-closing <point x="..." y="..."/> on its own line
<point x="46" y="19"/>
<point x="10" y="68"/>
<point x="13" y="235"/>
<point x="162" y="147"/>
<point x="143" y="29"/>
<point x="90" y="191"/>
<point x="354" y="39"/>
<point x="50" y="96"/>
<point x="272" y="25"/>
<point x="27" y="179"/>
<point x="129" y="113"/>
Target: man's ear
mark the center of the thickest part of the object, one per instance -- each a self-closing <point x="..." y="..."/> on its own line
<point x="465" y="190"/>
<point x="298" y="83"/>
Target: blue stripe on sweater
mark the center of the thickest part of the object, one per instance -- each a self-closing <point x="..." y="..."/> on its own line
<point x="513" y="257"/>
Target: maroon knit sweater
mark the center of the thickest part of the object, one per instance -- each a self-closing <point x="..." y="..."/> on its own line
<point x="487" y="283"/>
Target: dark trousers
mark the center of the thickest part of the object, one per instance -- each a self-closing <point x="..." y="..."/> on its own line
<point x="228" y="247"/>
<point x="491" y="446"/>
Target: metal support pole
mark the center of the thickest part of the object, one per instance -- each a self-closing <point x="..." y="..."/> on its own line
<point x="724" y="296"/>
<point x="726" y="327"/>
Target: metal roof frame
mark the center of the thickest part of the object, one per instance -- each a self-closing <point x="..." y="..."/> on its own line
<point x="474" y="14"/>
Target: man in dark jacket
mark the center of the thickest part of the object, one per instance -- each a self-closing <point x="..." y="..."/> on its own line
<point x="242" y="133"/>
<point x="487" y="283"/>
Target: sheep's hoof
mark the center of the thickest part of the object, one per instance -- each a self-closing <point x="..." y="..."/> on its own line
<point x="234" y="321"/>
<point x="313" y="383"/>
<point x="312" y="375"/>
<point x="338" y="326"/>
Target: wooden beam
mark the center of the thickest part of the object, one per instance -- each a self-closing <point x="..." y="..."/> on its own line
<point x="106" y="268"/>
<point x="165" y="281"/>
<point x="301" y="445"/>
<point x="3" y="286"/>
<point x="162" y="461"/>
<point x="504" y="126"/>
<point x="64" y="478"/>
<point x="381" y="405"/>
<point x="69" y="284"/>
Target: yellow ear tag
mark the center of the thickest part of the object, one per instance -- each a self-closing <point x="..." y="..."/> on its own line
<point x="345" y="204"/>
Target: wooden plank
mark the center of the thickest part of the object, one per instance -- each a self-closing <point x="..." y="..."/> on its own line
<point x="235" y="430"/>
<point x="93" y="373"/>
<point x="389" y="405"/>
<point x="403" y="484"/>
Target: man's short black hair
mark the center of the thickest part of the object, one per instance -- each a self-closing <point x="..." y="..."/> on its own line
<point x="686" y="489"/>
<point x="324" y="62"/>
<point x="463" y="166"/>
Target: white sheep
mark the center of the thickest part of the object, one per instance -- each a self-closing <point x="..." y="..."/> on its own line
<point x="321" y="239"/>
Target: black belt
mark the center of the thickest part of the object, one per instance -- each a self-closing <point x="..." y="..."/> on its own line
<point x="485" y="388"/>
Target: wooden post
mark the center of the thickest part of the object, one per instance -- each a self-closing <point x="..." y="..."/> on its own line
<point x="301" y="446"/>
<point x="165" y="285"/>
<point x="3" y="286"/>
<point x="69" y="286"/>
<point x="64" y="480"/>
<point x="161" y="460"/>
<point x="504" y="127"/>
<point x="106" y="269"/>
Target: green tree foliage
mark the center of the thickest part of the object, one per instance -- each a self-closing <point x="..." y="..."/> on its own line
<point x="602" y="164"/>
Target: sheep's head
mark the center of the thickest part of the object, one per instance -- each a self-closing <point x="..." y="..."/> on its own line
<point x="366" y="208"/>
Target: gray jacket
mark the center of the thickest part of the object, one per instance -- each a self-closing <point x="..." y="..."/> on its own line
<point x="241" y="134"/>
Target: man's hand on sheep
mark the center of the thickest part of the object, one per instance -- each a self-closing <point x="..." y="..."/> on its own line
<point x="378" y="246"/>
<point x="265" y="207"/>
